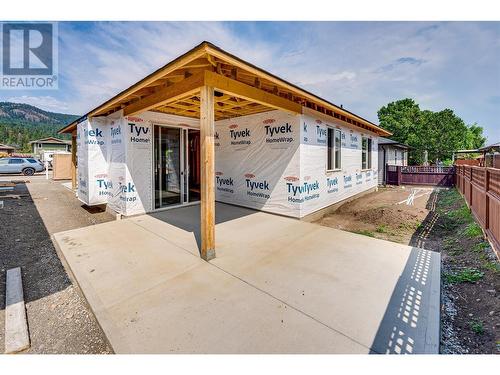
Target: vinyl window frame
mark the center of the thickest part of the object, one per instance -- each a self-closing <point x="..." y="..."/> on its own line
<point x="333" y="148"/>
<point x="366" y="155"/>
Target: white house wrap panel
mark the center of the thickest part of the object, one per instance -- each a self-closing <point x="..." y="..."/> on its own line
<point x="273" y="161"/>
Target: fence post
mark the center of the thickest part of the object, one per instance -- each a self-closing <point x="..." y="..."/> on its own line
<point x="470" y="187"/>
<point x="398" y="168"/>
<point x="487" y="198"/>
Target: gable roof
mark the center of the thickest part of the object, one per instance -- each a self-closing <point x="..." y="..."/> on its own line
<point x="6" y="147"/>
<point x="51" y="140"/>
<point x="221" y="68"/>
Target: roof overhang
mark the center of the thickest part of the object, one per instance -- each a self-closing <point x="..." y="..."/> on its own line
<point x="240" y="89"/>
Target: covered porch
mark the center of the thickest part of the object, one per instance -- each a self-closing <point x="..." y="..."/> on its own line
<point x="210" y="84"/>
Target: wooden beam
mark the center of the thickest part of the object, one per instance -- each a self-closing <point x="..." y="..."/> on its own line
<point x="73" y="161"/>
<point x="207" y="201"/>
<point x="232" y="87"/>
<point x="243" y="66"/>
<point x="188" y="86"/>
<point x="162" y="72"/>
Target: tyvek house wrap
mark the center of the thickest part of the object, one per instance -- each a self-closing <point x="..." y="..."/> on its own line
<point x="117" y="166"/>
<point x="256" y="159"/>
<point x="274" y="161"/>
<point x="92" y="143"/>
<point x="130" y="165"/>
<point x="114" y="163"/>
<point x="333" y="186"/>
<point x="137" y="190"/>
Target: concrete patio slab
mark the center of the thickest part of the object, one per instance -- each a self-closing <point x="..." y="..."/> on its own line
<point x="278" y="285"/>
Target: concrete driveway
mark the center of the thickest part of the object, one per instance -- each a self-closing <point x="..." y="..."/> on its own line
<point x="278" y="285"/>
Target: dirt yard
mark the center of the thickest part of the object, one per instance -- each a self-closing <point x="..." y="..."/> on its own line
<point x="438" y="220"/>
<point x="59" y="320"/>
<point x="384" y="214"/>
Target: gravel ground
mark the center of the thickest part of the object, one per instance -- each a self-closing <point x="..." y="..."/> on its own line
<point x="470" y="313"/>
<point x="59" y="319"/>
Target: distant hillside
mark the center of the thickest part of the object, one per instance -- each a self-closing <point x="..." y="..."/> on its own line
<point x="22" y="123"/>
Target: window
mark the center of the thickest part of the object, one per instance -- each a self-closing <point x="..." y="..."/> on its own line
<point x="32" y="161"/>
<point x="333" y="149"/>
<point x="4" y="161"/>
<point x="366" y="153"/>
<point x="16" y="161"/>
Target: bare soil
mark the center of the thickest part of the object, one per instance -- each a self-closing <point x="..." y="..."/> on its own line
<point x="383" y="214"/>
<point x="59" y="319"/>
<point x="439" y="220"/>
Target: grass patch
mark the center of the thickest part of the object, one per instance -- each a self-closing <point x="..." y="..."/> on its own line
<point x="473" y="230"/>
<point x="461" y="215"/>
<point x="365" y="232"/>
<point x="382" y="228"/>
<point x="477" y="326"/>
<point x="492" y="266"/>
<point x="467" y="275"/>
<point x="480" y="247"/>
<point x="409" y="225"/>
<point x="452" y="246"/>
<point x="448" y="198"/>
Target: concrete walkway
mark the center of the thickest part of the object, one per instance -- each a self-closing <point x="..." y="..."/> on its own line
<point x="278" y="285"/>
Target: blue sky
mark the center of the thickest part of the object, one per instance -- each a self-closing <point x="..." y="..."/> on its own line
<point x="362" y="65"/>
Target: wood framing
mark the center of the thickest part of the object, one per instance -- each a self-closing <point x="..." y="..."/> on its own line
<point x="170" y="67"/>
<point x="168" y="94"/>
<point x="207" y="201"/>
<point x="244" y="91"/>
<point x="172" y="89"/>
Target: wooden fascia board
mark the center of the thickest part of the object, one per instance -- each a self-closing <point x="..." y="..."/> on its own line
<point x="226" y="85"/>
<point x="166" y="95"/>
<point x="233" y="61"/>
<point x="176" y="64"/>
<point x="242" y="90"/>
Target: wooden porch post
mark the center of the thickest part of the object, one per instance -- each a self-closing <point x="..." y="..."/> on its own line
<point x="73" y="160"/>
<point x="207" y="130"/>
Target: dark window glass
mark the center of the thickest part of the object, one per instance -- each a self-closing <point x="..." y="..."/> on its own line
<point x="366" y="153"/>
<point x="32" y="160"/>
<point x="331" y="150"/>
<point x="338" y="148"/>
<point x="16" y="161"/>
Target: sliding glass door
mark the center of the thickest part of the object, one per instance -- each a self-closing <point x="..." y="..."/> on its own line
<point x="176" y="166"/>
<point x="168" y="171"/>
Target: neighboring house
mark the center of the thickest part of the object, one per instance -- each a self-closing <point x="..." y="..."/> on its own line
<point x="6" y="149"/>
<point x="278" y="148"/>
<point x="390" y="152"/>
<point x="491" y="155"/>
<point x="39" y="146"/>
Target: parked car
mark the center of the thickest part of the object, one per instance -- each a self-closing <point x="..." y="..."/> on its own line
<point x="26" y="166"/>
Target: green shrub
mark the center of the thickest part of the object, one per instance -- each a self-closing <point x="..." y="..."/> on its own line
<point x="473" y="230"/>
<point x="365" y="232"/>
<point x="477" y="326"/>
<point x="382" y="228"/>
<point x="462" y="215"/>
<point x="480" y="246"/>
<point x="467" y="275"/>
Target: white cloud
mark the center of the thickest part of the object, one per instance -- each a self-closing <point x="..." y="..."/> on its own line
<point x="362" y="65"/>
<point x="47" y="103"/>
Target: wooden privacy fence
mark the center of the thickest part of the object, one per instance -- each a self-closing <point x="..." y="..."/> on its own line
<point x="481" y="189"/>
<point x="420" y="175"/>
